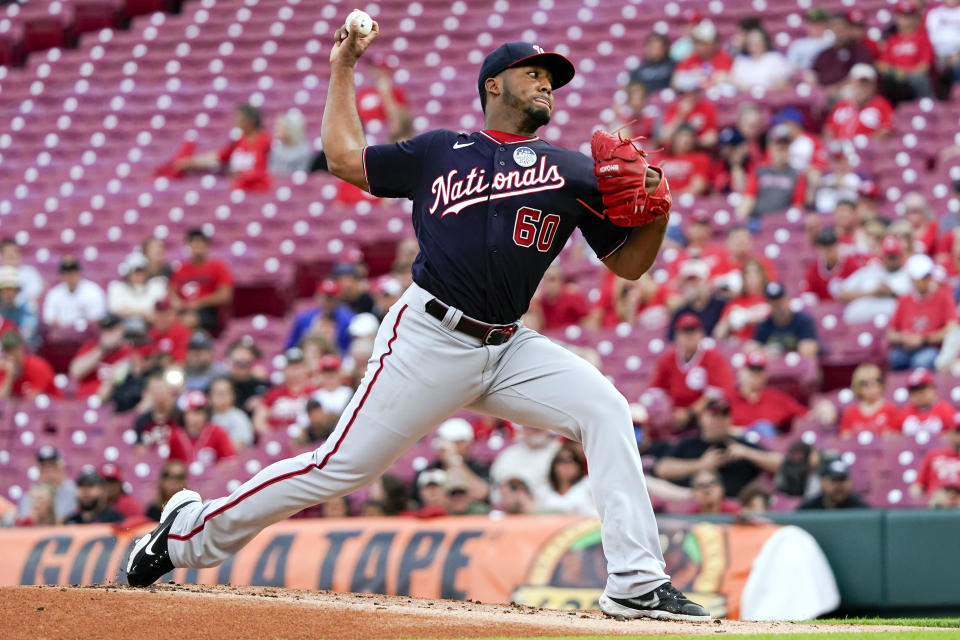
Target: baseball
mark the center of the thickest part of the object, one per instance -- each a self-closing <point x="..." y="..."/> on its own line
<point x="362" y="21"/>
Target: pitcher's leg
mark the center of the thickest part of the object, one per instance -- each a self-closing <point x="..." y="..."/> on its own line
<point x="540" y="384"/>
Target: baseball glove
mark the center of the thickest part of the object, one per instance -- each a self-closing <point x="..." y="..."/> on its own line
<point x="621" y="170"/>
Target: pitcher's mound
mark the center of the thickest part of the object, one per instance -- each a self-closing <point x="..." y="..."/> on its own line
<point x="186" y="612"/>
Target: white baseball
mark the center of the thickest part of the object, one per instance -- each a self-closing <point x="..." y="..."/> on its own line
<point x="361" y="20"/>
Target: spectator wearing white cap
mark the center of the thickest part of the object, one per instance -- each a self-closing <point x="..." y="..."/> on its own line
<point x="709" y="62"/>
<point x="136" y="295"/>
<point x="922" y="318"/>
<point x="452" y="448"/>
<point x="31" y="282"/>
<point x="51" y="471"/>
<point x="75" y="300"/>
<point x="872" y="290"/>
<point x="865" y="112"/>
<point x="289" y="151"/>
<point x="16" y="313"/>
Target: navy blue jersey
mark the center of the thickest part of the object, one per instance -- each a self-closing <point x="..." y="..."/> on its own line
<point x="490" y="216"/>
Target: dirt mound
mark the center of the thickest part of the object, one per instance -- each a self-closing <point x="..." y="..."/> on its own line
<point x="182" y="612"/>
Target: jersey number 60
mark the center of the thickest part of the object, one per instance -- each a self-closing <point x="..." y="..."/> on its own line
<point x="525" y="230"/>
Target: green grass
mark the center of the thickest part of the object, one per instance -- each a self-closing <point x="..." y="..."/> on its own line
<point x="905" y="622"/>
<point x="840" y="635"/>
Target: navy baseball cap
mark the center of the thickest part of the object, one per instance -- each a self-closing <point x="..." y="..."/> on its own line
<point x="513" y="54"/>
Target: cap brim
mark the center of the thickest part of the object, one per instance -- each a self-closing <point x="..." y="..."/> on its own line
<point x="560" y="68"/>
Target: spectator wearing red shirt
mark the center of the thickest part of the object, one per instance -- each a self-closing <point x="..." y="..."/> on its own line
<point x="700" y="246"/>
<point x="924" y="229"/>
<point x="709" y="63"/>
<point x="740" y="246"/>
<point x="871" y="411"/>
<point x="865" y="113"/>
<point x="829" y="269"/>
<point x="385" y="102"/>
<point x="755" y="404"/>
<point x="690" y="369"/>
<point x="169" y="335"/>
<point x="638" y="115"/>
<point x="693" y="110"/>
<point x="922" y="319"/>
<point x="748" y="308"/>
<point x="906" y="56"/>
<point x="115" y="495"/>
<point x="774" y="185"/>
<point x="630" y="301"/>
<point x="198" y="438"/>
<point x="93" y="368"/>
<point x="23" y="375"/>
<point x="202" y="284"/>
<point x="282" y="405"/>
<point x="244" y="158"/>
<point x="689" y="169"/>
<point x="159" y="411"/>
<point x="558" y="304"/>
<point x="925" y="411"/>
<point x="940" y="467"/>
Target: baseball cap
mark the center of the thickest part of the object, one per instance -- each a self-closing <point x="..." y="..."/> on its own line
<point x="914" y="200"/>
<point x="787" y="114"/>
<point x="11" y="340"/>
<point x="868" y="189"/>
<point x="197" y="233"/>
<point x="110" y="471"/>
<point x="774" y="291"/>
<point x="836" y="469"/>
<point x="329" y="362"/>
<point x="919" y="266"/>
<point x="730" y="136"/>
<point x="694" y="269"/>
<point x="863" y="71"/>
<point x="514" y="54"/>
<point x="688" y="321"/>
<point x="816" y="14"/>
<point x="691" y="16"/>
<point x="704" y="31"/>
<point x="134" y="262"/>
<point x="718" y="404"/>
<point x="48" y="453"/>
<point x="780" y="133"/>
<point x="329" y="287"/>
<point x="200" y="340"/>
<point x="89" y="477"/>
<point x="919" y="378"/>
<point x="347" y="269"/>
<point x="388" y="285"/>
<point x="826" y="237"/>
<point x="701" y="216"/>
<point x="8" y="277"/>
<point x="194" y="400"/>
<point x="69" y="263"/>
<point x="293" y="355"/>
<point x="756" y="360"/>
<point x="432" y="476"/>
<point x="110" y="321"/>
<point x="455" y="430"/>
<point x="163" y="304"/>
<point x="891" y="245"/>
<point x="905" y="6"/>
<point x="855" y="17"/>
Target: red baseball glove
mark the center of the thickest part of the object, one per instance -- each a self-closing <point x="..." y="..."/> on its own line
<point x="621" y="170"/>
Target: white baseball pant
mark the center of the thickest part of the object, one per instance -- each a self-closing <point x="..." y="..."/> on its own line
<point x="421" y="371"/>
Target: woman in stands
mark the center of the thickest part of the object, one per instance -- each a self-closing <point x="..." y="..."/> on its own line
<point x="748" y="308"/>
<point x="759" y="65"/>
<point x="871" y="411"/>
<point x="567" y="491"/>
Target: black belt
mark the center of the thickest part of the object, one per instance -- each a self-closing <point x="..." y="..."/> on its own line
<point x="493" y="334"/>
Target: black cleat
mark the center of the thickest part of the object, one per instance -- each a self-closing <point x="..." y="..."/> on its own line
<point x="666" y="602"/>
<point x="150" y="559"/>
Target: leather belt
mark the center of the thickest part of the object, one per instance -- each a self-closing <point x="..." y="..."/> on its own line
<point x="491" y="334"/>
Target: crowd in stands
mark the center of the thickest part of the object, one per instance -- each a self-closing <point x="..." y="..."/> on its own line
<point x="728" y="442"/>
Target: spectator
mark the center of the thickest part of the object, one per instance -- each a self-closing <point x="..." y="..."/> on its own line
<point x="733" y="153"/>
<point x="840" y="184"/>
<point x="858" y="24"/>
<point x="41" y="496"/>
<point x="156" y="254"/>
<point x="698" y="298"/>
<point x="775" y="185"/>
<point x="452" y="448"/>
<point x="642" y="301"/>
<point x="198" y="438"/>
<point x="925" y="412"/>
<point x="925" y="228"/>
<point x="836" y="490"/>
<point x="16" y="314"/>
<point x="803" y="51"/>
<point x="922" y="318"/>
<point x="558" y="304"/>
<point x="248" y="383"/>
<point x="714" y="449"/>
<point x="244" y="158"/>
<point x="29" y="279"/>
<point x="637" y="116"/>
<point x="798" y="474"/>
<point x="203" y="285"/>
<point x="432" y="488"/>
<point x="114" y="495"/>
<point x="872" y="290"/>
<point x="199" y="367"/>
<point x="354" y="288"/>
<point x="172" y="478"/>
<point x="942" y="23"/>
<point x="656" y="70"/>
<point x="51" y="471"/>
<point x="759" y="65"/>
<point x="336" y="508"/>
<point x="740" y="245"/>
<point x="315" y="426"/>
<point x="806" y="149"/>
<point x="225" y="414"/>
<point x="755" y="405"/>
<point x="748" y="308"/>
<point x="832" y="65"/>
<point x="865" y="112"/>
<point x="906" y="56"/>
<point x="689" y="371"/>
<point x="709" y="63"/>
<point x="692" y="110"/>
<point x="871" y="411"/>
<point x="130" y="377"/>
<point x="708" y="494"/>
<point x="91" y="501"/>
<point x="167" y="333"/>
<point x="329" y="311"/>
<point x="682" y="46"/>
<point x="940" y="467"/>
<point x="137" y="294"/>
<point x="786" y="330"/>
<point x="290" y="151"/>
<point x="386" y="291"/>
<point x="515" y="497"/>
<point x="529" y="459"/>
<point x="568" y="490"/>
<point x="826" y="273"/>
<point x="160" y="415"/>
<point x="284" y="403"/>
<point x="754" y="500"/>
<point x="95" y="367"/>
<point x="459" y="502"/>
<point x="331" y="393"/>
<point x="700" y="246"/>
<point x="22" y="374"/>
<point x="385" y="103"/>
<point x="74" y="300"/>
<point x="391" y="493"/>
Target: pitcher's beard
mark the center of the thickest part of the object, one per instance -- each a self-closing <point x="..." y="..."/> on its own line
<point x="538" y="115"/>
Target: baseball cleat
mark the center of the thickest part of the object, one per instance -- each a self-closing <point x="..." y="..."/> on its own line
<point x="150" y="559"/>
<point x="666" y="602"/>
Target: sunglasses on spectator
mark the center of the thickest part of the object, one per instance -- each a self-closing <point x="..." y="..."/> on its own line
<point x="705" y="485"/>
<point x="241" y="364"/>
<point x="566" y="459"/>
<point x="867" y="383"/>
<point x="173" y="476"/>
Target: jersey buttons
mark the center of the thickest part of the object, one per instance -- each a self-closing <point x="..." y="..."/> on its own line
<point x="503" y="148"/>
<point x="502" y="163"/>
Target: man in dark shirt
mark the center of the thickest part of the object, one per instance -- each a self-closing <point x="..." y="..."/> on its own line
<point x="784" y="329"/>
<point x="242" y="357"/>
<point x="832" y="65"/>
<point x="836" y="489"/>
<point x="91" y="502"/>
<point x="737" y="461"/>
<point x="698" y="297"/>
<point x="154" y="425"/>
<point x="656" y="70"/>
